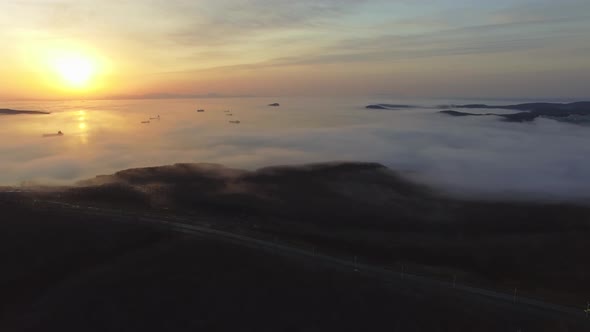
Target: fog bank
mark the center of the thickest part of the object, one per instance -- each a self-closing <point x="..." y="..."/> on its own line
<point x="480" y="156"/>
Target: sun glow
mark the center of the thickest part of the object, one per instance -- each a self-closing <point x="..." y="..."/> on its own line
<point x="75" y="71"/>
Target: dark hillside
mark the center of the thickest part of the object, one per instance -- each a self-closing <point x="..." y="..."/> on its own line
<point x="70" y="272"/>
<point x="368" y="210"/>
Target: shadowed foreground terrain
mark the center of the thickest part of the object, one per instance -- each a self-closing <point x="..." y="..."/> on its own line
<point x="71" y="271"/>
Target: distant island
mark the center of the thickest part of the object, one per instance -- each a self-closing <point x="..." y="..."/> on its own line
<point x="457" y="113"/>
<point x="7" y="111"/>
<point x="529" y="111"/>
<point x="387" y="106"/>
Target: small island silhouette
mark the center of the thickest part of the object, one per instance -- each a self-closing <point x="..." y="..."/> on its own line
<point x="529" y="111"/>
<point x="8" y="111"/>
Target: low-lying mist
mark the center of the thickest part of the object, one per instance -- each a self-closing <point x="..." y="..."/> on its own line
<point x="479" y="156"/>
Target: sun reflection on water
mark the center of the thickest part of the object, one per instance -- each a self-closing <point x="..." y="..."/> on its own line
<point x="82" y="125"/>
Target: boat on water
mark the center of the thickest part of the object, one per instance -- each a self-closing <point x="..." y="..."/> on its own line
<point x="235" y="122"/>
<point x="156" y="118"/>
<point x="200" y="111"/>
<point x="59" y="133"/>
<point x="145" y="122"/>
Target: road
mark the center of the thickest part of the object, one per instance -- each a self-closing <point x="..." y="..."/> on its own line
<point x="202" y="227"/>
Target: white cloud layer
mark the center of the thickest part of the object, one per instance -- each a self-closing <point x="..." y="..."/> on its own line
<point x="470" y="155"/>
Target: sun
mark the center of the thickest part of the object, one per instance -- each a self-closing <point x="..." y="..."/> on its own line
<point x="75" y="71"/>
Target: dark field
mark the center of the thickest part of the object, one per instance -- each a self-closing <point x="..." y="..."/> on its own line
<point x="66" y="273"/>
<point x="71" y="271"/>
<point x="368" y="210"/>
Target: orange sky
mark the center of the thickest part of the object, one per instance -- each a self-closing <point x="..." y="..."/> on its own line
<point x="511" y="48"/>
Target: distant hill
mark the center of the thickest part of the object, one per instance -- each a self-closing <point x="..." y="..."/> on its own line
<point x="346" y="191"/>
<point x="388" y="106"/>
<point x="530" y="111"/>
<point x="325" y="193"/>
<point x="457" y="113"/>
<point x="7" y="111"/>
<point x="582" y="106"/>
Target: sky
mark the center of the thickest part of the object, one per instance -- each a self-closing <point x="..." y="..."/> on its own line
<point x="71" y="49"/>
